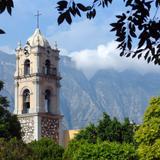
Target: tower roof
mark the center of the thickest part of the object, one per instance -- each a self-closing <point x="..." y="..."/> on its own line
<point x="37" y="39"/>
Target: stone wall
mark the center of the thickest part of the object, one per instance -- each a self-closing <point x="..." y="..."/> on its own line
<point x="27" y="124"/>
<point x="50" y="128"/>
<point x="37" y="125"/>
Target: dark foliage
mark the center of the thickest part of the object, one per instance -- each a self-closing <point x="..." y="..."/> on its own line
<point x="9" y="124"/>
<point x="136" y="24"/>
<point x="46" y="149"/>
<point x="3" y="100"/>
<point x="6" y="5"/>
<point x="15" y="150"/>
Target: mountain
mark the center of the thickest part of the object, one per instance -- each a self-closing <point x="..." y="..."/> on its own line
<point x="7" y="69"/>
<point x="120" y="94"/>
<point x="82" y="100"/>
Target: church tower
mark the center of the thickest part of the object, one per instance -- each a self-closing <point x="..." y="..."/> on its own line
<point x="37" y="83"/>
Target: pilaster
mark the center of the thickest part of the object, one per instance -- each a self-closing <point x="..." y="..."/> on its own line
<point x="37" y="127"/>
<point x="36" y="83"/>
<point x="16" y="98"/>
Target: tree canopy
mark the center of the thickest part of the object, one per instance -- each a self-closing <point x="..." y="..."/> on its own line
<point x="15" y="150"/>
<point x="109" y="139"/>
<point x="148" y="134"/>
<point x="101" y="151"/>
<point x="46" y="149"/>
<point x="108" y="129"/>
<point x="9" y="124"/>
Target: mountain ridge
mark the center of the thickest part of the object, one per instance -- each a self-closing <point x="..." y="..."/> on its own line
<point x="83" y="100"/>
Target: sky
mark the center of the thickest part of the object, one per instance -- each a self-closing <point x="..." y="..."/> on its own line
<point x="89" y="43"/>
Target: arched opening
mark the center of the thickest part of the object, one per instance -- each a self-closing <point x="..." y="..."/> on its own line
<point x="26" y="101"/>
<point x="47" y="100"/>
<point x="27" y="67"/>
<point x="47" y="67"/>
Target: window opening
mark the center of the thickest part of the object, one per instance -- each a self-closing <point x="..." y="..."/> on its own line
<point x="47" y="100"/>
<point x="26" y="67"/>
<point x="47" y="67"/>
<point x="26" y="101"/>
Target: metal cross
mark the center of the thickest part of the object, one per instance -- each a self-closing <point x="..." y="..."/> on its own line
<point x="38" y="15"/>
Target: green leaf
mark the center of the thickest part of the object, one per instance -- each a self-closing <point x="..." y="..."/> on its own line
<point x="68" y="17"/>
<point x="82" y="7"/>
<point x="2" y="32"/>
<point x="61" y="18"/>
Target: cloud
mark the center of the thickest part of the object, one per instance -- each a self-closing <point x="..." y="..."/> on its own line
<point x="107" y="57"/>
<point x="7" y="49"/>
<point x="79" y="35"/>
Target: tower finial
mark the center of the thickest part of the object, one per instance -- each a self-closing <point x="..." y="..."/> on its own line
<point x="19" y="45"/>
<point x="38" y="15"/>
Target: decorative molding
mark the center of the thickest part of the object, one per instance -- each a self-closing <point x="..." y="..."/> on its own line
<point x="25" y="87"/>
<point x="58" y="84"/>
<point x="16" y="84"/>
<point x="36" y="81"/>
<point x="17" y="57"/>
<point x="57" y="58"/>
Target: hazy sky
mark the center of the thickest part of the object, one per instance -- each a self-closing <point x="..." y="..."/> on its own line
<point x="89" y="43"/>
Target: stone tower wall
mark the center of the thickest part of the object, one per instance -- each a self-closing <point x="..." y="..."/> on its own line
<point x="48" y="126"/>
<point x="27" y="125"/>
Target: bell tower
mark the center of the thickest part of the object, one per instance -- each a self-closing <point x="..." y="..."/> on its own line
<point x="37" y="83"/>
